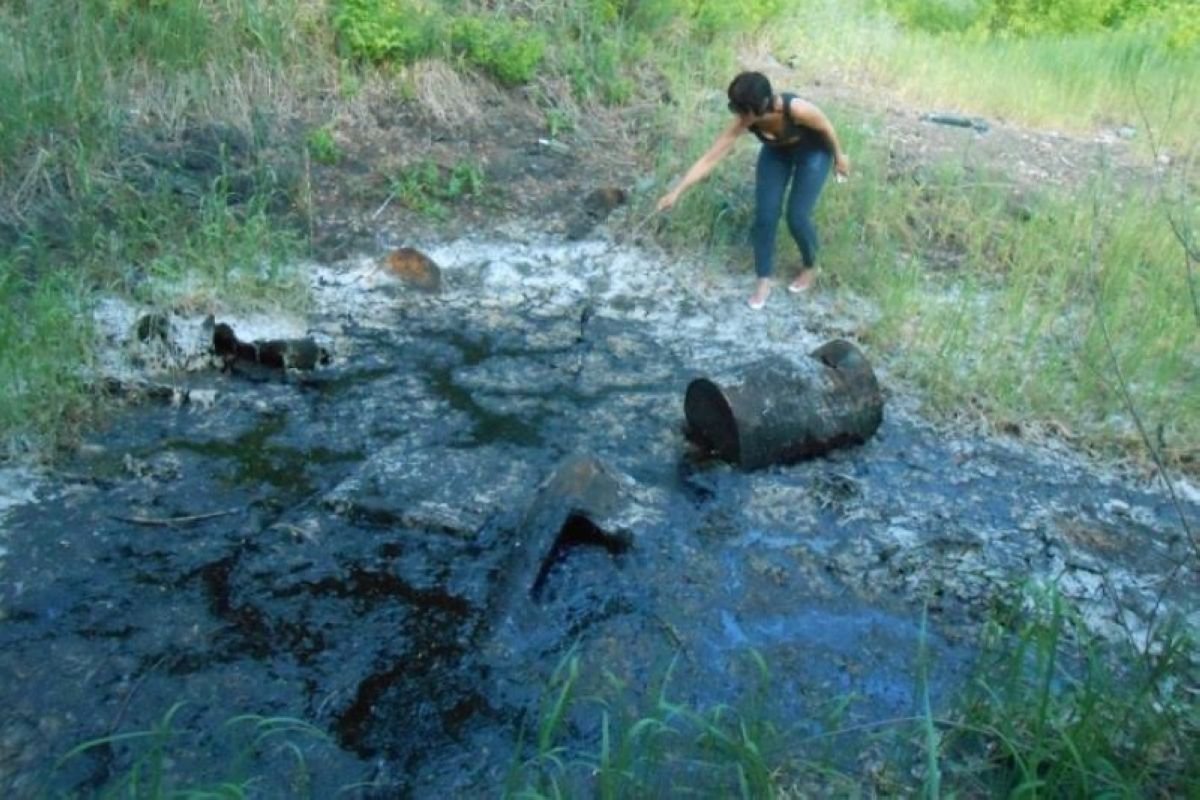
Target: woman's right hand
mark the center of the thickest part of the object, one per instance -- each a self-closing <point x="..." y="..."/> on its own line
<point x="669" y="199"/>
<point x="841" y="165"/>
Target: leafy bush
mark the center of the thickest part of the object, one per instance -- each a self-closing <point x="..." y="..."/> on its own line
<point x="401" y="32"/>
<point x="1179" y="21"/>
<point x="386" y="30"/>
<point x="1030" y="17"/>
<point x="504" y="49"/>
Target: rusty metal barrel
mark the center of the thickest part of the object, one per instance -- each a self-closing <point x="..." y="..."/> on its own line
<point x="780" y="411"/>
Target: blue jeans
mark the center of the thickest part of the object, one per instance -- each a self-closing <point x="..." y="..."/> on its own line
<point x="807" y="167"/>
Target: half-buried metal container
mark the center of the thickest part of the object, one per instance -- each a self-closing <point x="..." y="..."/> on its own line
<point x="780" y="411"/>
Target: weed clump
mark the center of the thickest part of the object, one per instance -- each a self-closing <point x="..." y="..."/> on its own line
<point x="399" y="32"/>
<point x="1057" y="712"/>
<point x="427" y="188"/>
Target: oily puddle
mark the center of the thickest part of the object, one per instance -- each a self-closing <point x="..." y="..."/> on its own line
<point x="381" y="547"/>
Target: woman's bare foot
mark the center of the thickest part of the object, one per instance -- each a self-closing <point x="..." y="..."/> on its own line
<point x="803" y="281"/>
<point x="761" y="290"/>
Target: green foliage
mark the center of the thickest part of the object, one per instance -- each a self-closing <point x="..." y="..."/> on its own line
<point x="219" y="254"/>
<point x="465" y="180"/>
<point x="558" y="122"/>
<point x="66" y="76"/>
<point x="45" y="338"/>
<point x="607" y="47"/>
<point x="647" y="744"/>
<point x="322" y="147"/>
<point x="1037" y="17"/>
<point x="939" y="16"/>
<point x="426" y="187"/>
<point x="1012" y="301"/>
<point x="1176" y="23"/>
<point x="387" y="30"/>
<point x="401" y="32"/>
<point x="1056" y="712"/>
<point x="605" y="75"/>
<point x="148" y="759"/>
<point x="724" y="17"/>
<point x="503" y="48"/>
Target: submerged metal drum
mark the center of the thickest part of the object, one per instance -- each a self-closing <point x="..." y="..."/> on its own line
<point x="780" y="411"/>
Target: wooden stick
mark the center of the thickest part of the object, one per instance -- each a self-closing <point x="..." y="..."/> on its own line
<point x="169" y="521"/>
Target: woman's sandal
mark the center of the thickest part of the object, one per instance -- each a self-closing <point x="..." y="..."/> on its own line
<point x="797" y="289"/>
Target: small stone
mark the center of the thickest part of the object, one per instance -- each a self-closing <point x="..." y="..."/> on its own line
<point x="203" y="399"/>
<point x="1126" y="132"/>
<point x="1117" y="507"/>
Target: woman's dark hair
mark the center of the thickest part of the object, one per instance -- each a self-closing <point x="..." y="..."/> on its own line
<point x="750" y="93"/>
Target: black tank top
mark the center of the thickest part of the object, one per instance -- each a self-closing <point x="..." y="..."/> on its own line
<point x="794" y="133"/>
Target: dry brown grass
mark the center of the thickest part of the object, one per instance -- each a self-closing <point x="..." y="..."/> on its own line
<point x="447" y="97"/>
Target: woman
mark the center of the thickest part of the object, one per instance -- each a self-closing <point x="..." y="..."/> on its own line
<point x="799" y="143"/>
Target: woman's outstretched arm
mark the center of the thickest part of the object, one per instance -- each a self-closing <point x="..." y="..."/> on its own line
<point x="705" y="164"/>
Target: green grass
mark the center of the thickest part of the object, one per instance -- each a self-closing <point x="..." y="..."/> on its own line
<point x="1005" y="308"/>
<point x="323" y="147"/>
<point x="146" y="762"/>
<point x="646" y="747"/>
<point x="1072" y="82"/>
<point x="428" y="188"/>
<point x="1056" y="712"/>
<point x="43" y="325"/>
<point x="504" y="45"/>
<point x="1050" y="710"/>
<point x="78" y="69"/>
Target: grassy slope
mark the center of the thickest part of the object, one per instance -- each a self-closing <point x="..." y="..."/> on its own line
<point x="101" y="194"/>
